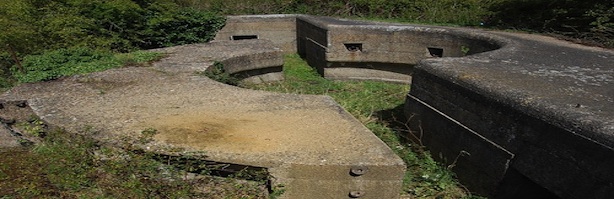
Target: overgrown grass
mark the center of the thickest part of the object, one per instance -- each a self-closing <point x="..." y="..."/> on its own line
<point x="66" y="165"/>
<point x="379" y="106"/>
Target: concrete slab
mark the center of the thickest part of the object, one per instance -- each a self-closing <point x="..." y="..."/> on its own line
<point x="308" y="143"/>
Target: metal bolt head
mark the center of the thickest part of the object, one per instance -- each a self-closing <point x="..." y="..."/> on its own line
<point x="358" y="170"/>
<point x="22" y="104"/>
<point x="356" y="194"/>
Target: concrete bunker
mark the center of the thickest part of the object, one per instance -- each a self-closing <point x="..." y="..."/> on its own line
<point x="473" y="93"/>
<point x="509" y="113"/>
<point x="353" y="50"/>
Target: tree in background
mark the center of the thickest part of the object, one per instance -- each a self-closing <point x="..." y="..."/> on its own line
<point x="582" y="19"/>
<point x="30" y="27"/>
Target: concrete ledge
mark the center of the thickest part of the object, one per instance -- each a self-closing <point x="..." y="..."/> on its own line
<point x="253" y="61"/>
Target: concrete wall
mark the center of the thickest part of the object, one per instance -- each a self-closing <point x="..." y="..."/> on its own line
<point x="343" y="49"/>
<point x="280" y="29"/>
<point x="312" y="43"/>
<point x="355" y="50"/>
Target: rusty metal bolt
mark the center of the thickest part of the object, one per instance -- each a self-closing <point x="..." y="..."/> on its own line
<point x="356" y="194"/>
<point x="358" y="170"/>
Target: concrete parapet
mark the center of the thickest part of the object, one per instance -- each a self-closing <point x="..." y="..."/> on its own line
<point x="345" y="49"/>
<point x="253" y="61"/>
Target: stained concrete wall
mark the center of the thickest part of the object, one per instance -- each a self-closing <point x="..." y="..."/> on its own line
<point x="280" y="29"/>
<point x="344" y="49"/>
<point x="312" y="43"/>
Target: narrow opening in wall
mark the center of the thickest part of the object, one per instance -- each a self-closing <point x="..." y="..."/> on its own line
<point x="353" y="47"/>
<point x="243" y="37"/>
<point x="435" y="52"/>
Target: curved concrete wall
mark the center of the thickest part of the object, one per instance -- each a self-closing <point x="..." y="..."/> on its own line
<point x="517" y="115"/>
<point x="345" y="49"/>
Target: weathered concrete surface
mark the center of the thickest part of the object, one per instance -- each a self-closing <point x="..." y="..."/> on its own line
<point x="280" y="29"/>
<point x="545" y="107"/>
<point x="309" y="143"/>
<point x="347" y="49"/>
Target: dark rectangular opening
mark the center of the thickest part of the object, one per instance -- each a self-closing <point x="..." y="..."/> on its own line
<point x="435" y="52"/>
<point x="243" y="37"/>
<point x="353" y="47"/>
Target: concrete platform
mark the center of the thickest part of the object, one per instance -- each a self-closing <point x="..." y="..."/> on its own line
<point x="308" y="143"/>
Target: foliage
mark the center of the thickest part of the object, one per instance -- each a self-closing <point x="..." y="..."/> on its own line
<point x="590" y="20"/>
<point x="378" y="105"/>
<point x="181" y="27"/>
<point x="460" y="12"/>
<point x="65" y="62"/>
<point x="42" y="40"/>
<point x="119" y="25"/>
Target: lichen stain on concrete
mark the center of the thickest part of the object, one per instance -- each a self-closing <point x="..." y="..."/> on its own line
<point x="252" y="132"/>
<point x="209" y="132"/>
<point x="201" y="132"/>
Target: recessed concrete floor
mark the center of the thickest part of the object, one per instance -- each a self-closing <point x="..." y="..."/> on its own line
<point x="309" y="143"/>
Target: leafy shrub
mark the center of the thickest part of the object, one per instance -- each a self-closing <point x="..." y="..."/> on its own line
<point x="460" y="12"/>
<point x="591" y="19"/>
<point x="54" y="38"/>
<point x="118" y="25"/>
<point x="62" y="62"/>
<point x="65" y="62"/>
<point x="184" y="26"/>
